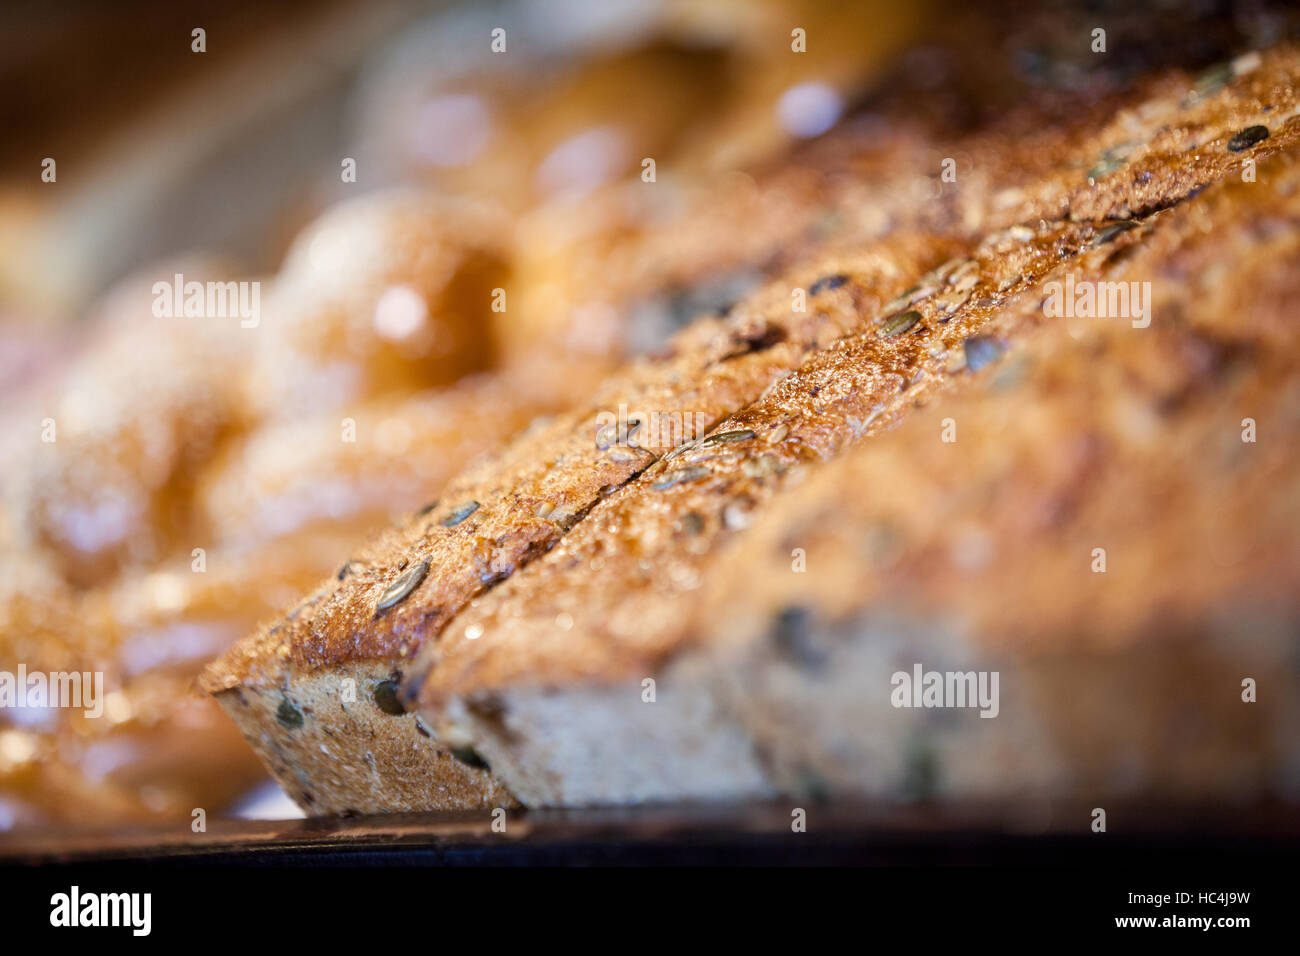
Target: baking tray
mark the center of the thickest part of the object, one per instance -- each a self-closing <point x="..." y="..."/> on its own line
<point x="698" y="834"/>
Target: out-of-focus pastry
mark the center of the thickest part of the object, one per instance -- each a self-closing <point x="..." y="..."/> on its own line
<point x="384" y="294"/>
<point x="113" y="439"/>
<point x="387" y="456"/>
<point x="145" y="745"/>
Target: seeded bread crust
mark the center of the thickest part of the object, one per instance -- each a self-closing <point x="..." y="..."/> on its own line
<point x="780" y="391"/>
<point x="667" y="522"/>
<point x="1133" y="675"/>
<point x="517" y="504"/>
<point x="970" y="555"/>
<point x="560" y="626"/>
<point x="497" y="517"/>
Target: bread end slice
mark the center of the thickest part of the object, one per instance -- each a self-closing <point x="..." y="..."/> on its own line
<point x="323" y="733"/>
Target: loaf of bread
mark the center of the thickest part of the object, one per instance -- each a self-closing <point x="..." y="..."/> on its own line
<point x="498" y="645"/>
<point x="349" y="639"/>
<point x="772" y="650"/>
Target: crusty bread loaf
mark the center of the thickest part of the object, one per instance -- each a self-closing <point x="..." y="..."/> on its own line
<point x="496" y="517"/>
<point x="969" y="555"/>
<point x="550" y="576"/>
<point x="271" y="502"/>
<point x="176" y="435"/>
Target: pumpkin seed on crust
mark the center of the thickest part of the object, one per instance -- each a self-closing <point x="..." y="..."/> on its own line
<point x="402" y="586"/>
<point x="386" y="698"/>
<point x="898" y="324"/>
<point x="722" y="438"/>
<point x="1246" y="138"/>
<point x="288" y="714"/>
<point x="459" y="515"/>
<point x="679" y="477"/>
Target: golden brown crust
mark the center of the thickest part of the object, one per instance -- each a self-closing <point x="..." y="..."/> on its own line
<point x="367" y="622"/>
<point x="644" y="539"/>
<point x="1095" y="434"/>
<point x="976" y="553"/>
<point x="579" y="537"/>
<point x="577" y="556"/>
<point x="1170" y="447"/>
<point x="498" y="518"/>
<point x="408" y="308"/>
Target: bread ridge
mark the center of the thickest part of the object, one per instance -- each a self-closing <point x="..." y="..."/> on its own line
<point x="716" y="367"/>
<point x="855" y="373"/>
<point x="1103" y="197"/>
<point x="782" y="658"/>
